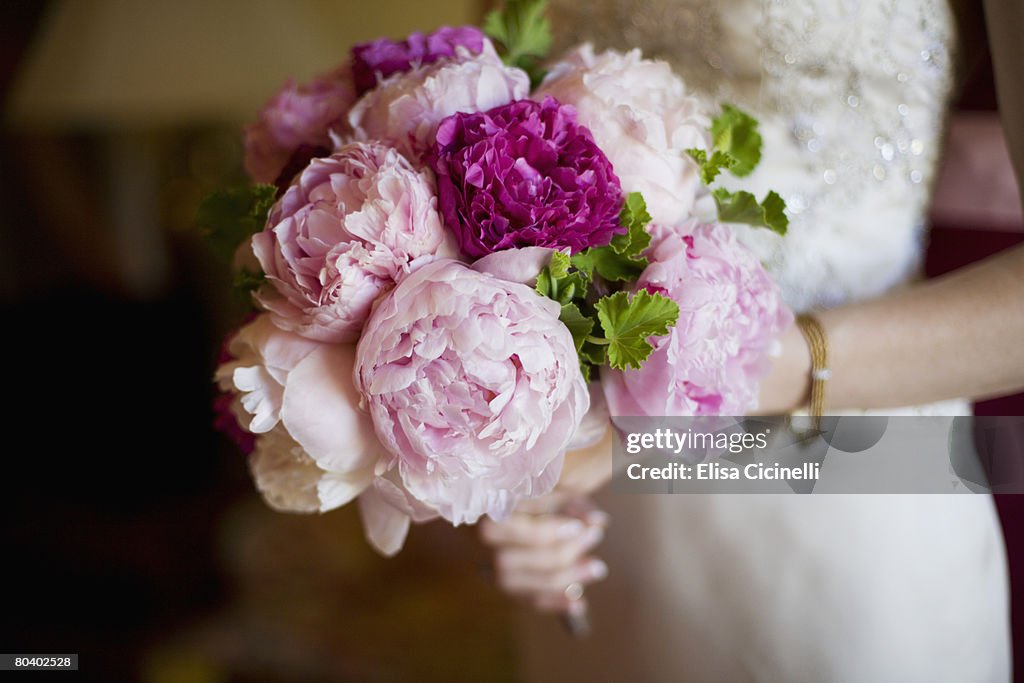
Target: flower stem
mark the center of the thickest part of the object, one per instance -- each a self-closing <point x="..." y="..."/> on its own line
<point x="598" y="340"/>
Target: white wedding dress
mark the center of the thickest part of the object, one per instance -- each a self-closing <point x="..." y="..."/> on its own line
<point x="852" y="97"/>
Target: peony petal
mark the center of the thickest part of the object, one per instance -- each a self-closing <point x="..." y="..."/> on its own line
<point x="391" y="489"/>
<point x="285" y="476"/>
<point x="515" y="265"/>
<point x="320" y="411"/>
<point x="385" y="526"/>
<point x="595" y="422"/>
<point x="335" y="490"/>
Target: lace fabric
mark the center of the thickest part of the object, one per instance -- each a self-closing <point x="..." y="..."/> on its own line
<point x="851" y="96"/>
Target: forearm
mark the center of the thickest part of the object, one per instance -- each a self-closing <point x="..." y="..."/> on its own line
<point x="961" y="335"/>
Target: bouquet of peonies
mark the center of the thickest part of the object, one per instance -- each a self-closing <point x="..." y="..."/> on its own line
<point x="461" y="262"/>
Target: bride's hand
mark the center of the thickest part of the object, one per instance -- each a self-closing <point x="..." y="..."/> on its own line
<point x="545" y="557"/>
<point x="543" y="551"/>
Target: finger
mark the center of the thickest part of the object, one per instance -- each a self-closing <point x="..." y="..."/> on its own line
<point x="550" y="557"/>
<point x="547" y="504"/>
<point x="531" y="530"/>
<point x="530" y="583"/>
<point x="583" y="508"/>
<point x="559" y="603"/>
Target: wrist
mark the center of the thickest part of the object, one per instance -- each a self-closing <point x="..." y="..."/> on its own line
<point x="787" y="386"/>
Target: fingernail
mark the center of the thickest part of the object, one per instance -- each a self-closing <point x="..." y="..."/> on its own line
<point x="597" y="569"/>
<point x="593" y="535"/>
<point x="598" y="517"/>
<point x="570" y="528"/>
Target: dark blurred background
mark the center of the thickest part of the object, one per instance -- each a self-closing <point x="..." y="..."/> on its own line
<point x="131" y="532"/>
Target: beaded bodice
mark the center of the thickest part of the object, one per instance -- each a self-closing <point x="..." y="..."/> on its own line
<point x="851" y="95"/>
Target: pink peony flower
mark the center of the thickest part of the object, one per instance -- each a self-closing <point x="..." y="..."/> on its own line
<point x="298" y="119"/>
<point x="641" y="117"/>
<point x="376" y="60"/>
<point x="730" y="315"/>
<point x="474" y="389"/>
<point x="349" y="228"/>
<point x="314" y="449"/>
<point x="406" y="108"/>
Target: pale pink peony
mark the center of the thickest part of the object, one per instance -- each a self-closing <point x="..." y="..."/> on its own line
<point x="406" y="108"/>
<point x="349" y="228"/>
<point x="474" y="388"/>
<point x="523" y="265"/>
<point x="731" y="314"/>
<point x="315" y="450"/>
<point x="298" y="116"/>
<point x="642" y="119"/>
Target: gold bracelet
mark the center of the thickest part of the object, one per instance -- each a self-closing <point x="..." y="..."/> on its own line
<point x="817" y="342"/>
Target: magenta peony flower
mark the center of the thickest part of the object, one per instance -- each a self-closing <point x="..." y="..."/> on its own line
<point x="404" y="110"/>
<point x="373" y="62"/>
<point x="314" y="449"/>
<point x="730" y="315"/>
<point x="349" y="228"/>
<point x="298" y="120"/>
<point x="474" y="388"/>
<point x="524" y="174"/>
<point x="640" y="114"/>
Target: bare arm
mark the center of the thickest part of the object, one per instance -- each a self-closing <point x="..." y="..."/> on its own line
<point x="961" y="335"/>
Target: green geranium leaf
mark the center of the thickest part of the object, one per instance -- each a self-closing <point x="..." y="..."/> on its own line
<point x="608" y="264"/>
<point x="594" y="354"/>
<point x="559" y="265"/>
<point x="579" y="325"/>
<point x="743" y="207"/>
<point x="555" y="281"/>
<point x="572" y="286"/>
<point x="228" y="217"/>
<point x="621" y="259"/>
<point x="629" y="321"/>
<point x="711" y="167"/>
<point x="734" y="132"/>
<point x="634" y="218"/>
<point x="523" y="34"/>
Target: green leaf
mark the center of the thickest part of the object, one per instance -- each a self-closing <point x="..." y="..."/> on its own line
<point x="710" y="168"/>
<point x="248" y="281"/>
<point x="228" y="217"/>
<point x="735" y="133"/>
<point x="559" y="265"/>
<point x="523" y="33"/>
<point x="620" y="260"/>
<point x="743" y="207"/>
<point x="608" y="264"/>
<point x="556" y="282"/>
<point x="629" y="321"/>
<point x="572" y="286"/>
<point x="634" y="212"/>
<point x="594" y="354"/>
<point x="579" y="325"/>
<point x="544" y="283"/>
<point x="634" y="218"/>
